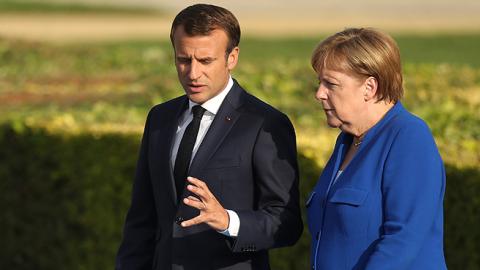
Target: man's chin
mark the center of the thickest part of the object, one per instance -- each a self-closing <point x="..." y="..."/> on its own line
<point x="196" y="97"/>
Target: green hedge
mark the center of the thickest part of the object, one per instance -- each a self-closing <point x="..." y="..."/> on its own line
<point x="63" y="199"/>
<point x="462" y="218"/>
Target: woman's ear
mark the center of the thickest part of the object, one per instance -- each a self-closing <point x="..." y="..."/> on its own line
<point x="371" y="86"/>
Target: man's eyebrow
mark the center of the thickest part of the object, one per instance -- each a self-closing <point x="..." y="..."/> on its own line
<point x="206" y="58"/>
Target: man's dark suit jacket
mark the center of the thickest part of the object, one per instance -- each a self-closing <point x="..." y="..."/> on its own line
<point x="247" y="159"/>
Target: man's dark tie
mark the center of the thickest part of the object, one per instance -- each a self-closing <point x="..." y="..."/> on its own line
<point x="184" y="154"/>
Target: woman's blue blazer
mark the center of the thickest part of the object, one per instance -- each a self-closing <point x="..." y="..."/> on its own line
<point x="385" y="211"/>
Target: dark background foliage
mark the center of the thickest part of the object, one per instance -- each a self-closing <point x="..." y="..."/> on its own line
<point x="63" y="200"/>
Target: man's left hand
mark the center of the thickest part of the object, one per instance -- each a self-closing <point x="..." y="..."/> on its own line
<point x="211" y="211"/>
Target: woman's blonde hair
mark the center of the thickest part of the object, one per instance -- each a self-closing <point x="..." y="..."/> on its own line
<point x="363" y="52"/>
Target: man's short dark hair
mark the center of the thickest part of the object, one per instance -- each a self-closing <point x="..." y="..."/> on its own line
<point x="201" y="19"/>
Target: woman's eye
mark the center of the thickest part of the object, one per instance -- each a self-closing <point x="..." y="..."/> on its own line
<point x="329" y="84"/>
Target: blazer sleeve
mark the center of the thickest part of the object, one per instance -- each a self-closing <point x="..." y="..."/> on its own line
<point x="413" y="188"/>
<point x="137" y="247"/>
<point x="277" y="220"/>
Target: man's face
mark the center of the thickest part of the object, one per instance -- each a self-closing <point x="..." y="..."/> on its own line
<point x="202" y="66"/>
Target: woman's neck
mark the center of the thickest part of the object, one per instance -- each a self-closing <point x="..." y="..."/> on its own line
<point x="376" y="111"/>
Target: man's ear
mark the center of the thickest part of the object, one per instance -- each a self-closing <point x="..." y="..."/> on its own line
<point x="371" y="87"/>
<point x="232" y="58"/>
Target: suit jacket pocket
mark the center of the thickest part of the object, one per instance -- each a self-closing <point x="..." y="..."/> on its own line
<point x="224" y="162"/>
<point x="350" y="196"/>
<point x="350" y="211"/>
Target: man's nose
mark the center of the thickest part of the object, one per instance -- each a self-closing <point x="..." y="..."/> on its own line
<point x="195" y="70"/>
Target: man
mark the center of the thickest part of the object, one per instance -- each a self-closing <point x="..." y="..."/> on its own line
<point x="239" y="152"/>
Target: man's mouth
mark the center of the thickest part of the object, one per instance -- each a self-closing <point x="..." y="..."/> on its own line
<point x="195" y="87"/>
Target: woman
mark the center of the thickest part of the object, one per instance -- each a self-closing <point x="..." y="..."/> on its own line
<point x="379" y="201"/>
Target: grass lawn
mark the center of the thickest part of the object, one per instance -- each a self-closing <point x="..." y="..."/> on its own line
<point x="12" y="6"/>
<point x="109" y="87"/>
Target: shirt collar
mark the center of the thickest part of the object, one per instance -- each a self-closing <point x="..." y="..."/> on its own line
<point x="213" y="105"/>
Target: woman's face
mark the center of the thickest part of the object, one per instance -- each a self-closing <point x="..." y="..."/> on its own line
<point x="343" y="99"/>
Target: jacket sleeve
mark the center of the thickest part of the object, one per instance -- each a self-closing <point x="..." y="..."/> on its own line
<point x="137" y="247"/>
<point x="277" y="220"/>
<point x="413" y="188"/>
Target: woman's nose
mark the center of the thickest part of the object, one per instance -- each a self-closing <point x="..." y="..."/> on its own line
<point x="321" y="93"/>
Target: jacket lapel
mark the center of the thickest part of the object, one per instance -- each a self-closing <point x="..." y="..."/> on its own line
<point x="165" y="141"/>
<point x="224" y="120"/>
<point x="339" y="156"/>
